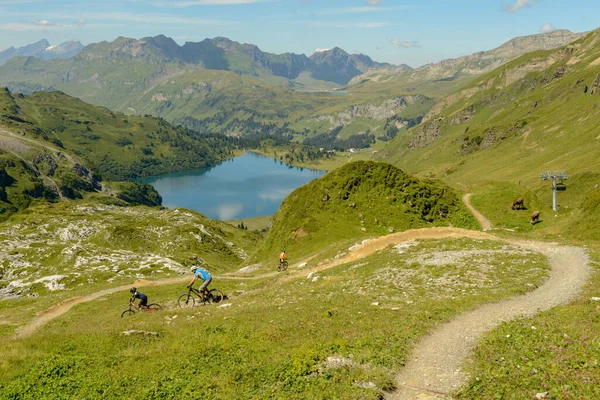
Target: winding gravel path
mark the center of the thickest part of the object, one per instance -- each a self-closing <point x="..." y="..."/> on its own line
<point x="434" y="368"/>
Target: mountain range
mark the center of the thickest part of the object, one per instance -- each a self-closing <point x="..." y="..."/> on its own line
<point x="464" y="68"/>
<point x="221" y="86"/>
<point x="220" y="53"/>
<point x="42" y="50"/>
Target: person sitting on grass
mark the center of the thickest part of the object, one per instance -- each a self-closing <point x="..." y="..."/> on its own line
<point x="202" y="274"/>
<point x="137" y="295"/>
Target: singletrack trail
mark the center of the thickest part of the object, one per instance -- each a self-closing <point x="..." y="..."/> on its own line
<point x="363" y="250"/>
<point x="486" y="225"/>
<point x="434" y="368"/>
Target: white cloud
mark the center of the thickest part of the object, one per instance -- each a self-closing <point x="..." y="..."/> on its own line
<point x="190" y="3"/>
<point x="47" y="24"/>
<point x="518" y="5"/>
<point x="153" y="18"/>
<point x="3" y="2"/>
<point x="342" y="24"/>
<point x="353" y="10"/>
<point x="39" y="25"/>
<point x="547" y="28"/>
<point x="321" y="50"/>
<point x="373" y="2"/>
<point x="403" y="44"/>
<point x="93" y="19"/>
<point x="371" y="24"/>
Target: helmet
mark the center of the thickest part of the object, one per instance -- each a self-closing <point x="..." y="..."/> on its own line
<point x="133" y="290"/>
<point x="193" y="268"/>
<point x="283" y="251"/>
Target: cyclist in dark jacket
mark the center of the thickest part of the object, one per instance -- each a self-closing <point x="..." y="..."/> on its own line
<point x="137" y="295"/>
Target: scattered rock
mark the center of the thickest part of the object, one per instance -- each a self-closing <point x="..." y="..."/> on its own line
<point x="337" y="362"/>
<point x="366" y="385"/>
<point x="137" y="332"/>
<point x="249" y="269"/>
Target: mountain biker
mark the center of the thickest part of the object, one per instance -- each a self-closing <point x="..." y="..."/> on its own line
<point x="282" y="257"/>
<point x="137" y="295"/>
<point x="202" y="274"/>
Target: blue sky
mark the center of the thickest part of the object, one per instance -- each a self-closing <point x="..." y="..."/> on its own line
<point x="414" y="32"/>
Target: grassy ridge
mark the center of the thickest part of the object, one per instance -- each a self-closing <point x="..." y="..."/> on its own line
<point x="359" y="200"/>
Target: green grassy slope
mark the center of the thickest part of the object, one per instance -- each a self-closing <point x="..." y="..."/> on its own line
<point x="112" y="144"/>
<point x="359" y="200"/>
<point x="53" y="146"/>
<point x="536" y="113"/>
<point x="494" y="138"/>
<point x="341" y="334"/>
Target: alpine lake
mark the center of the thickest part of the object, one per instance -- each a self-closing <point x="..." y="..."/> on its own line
<point x="247" y="186"/>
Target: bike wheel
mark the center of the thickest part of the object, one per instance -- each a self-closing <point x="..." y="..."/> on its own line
<point x="127" y="313"/>
<point x="185" y="301"/>
<point x="215" y="296"/>
<point x="154" y="307"/>
<point x="285" y="265"/>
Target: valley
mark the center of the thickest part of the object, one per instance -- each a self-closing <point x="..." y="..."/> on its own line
<point x="411" y="274"/>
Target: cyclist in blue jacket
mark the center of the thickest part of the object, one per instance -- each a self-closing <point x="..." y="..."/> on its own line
<point x="202" y="274"/>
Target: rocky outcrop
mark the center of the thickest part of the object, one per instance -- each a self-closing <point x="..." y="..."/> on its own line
<point x="426" y="133"/>
<point x="477" y="63"/>
<point x="386" y="109"/>
<point x="595" y="85"/>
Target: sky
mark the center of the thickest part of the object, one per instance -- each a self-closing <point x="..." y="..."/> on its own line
<point x="413" y="32"/>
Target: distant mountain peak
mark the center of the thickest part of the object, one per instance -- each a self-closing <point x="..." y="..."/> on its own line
<point x="42" y="49"/>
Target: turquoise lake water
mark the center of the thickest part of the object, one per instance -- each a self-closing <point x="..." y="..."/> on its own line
<point x="247" y="186"/>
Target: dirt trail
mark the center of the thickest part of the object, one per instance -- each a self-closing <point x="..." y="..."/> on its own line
<point x="434" y="368"/>
<point x="363" y="250"/>
<point x="486" y="225"/>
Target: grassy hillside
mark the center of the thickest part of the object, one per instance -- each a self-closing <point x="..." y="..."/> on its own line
<point x="336" y="335"/>
<point x="53" y="146"/>
<point x="536" y="113"/>
<point x="494" y="138"/>
<point x="82" y="246"/>
<point x="113" y="145"/>
<point x="356" y="201"/>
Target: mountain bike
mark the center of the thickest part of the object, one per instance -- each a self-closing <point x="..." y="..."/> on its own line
<point x="187" y="300"/>
<point x="132" y="310"/>
<point x="283" y="265"/>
